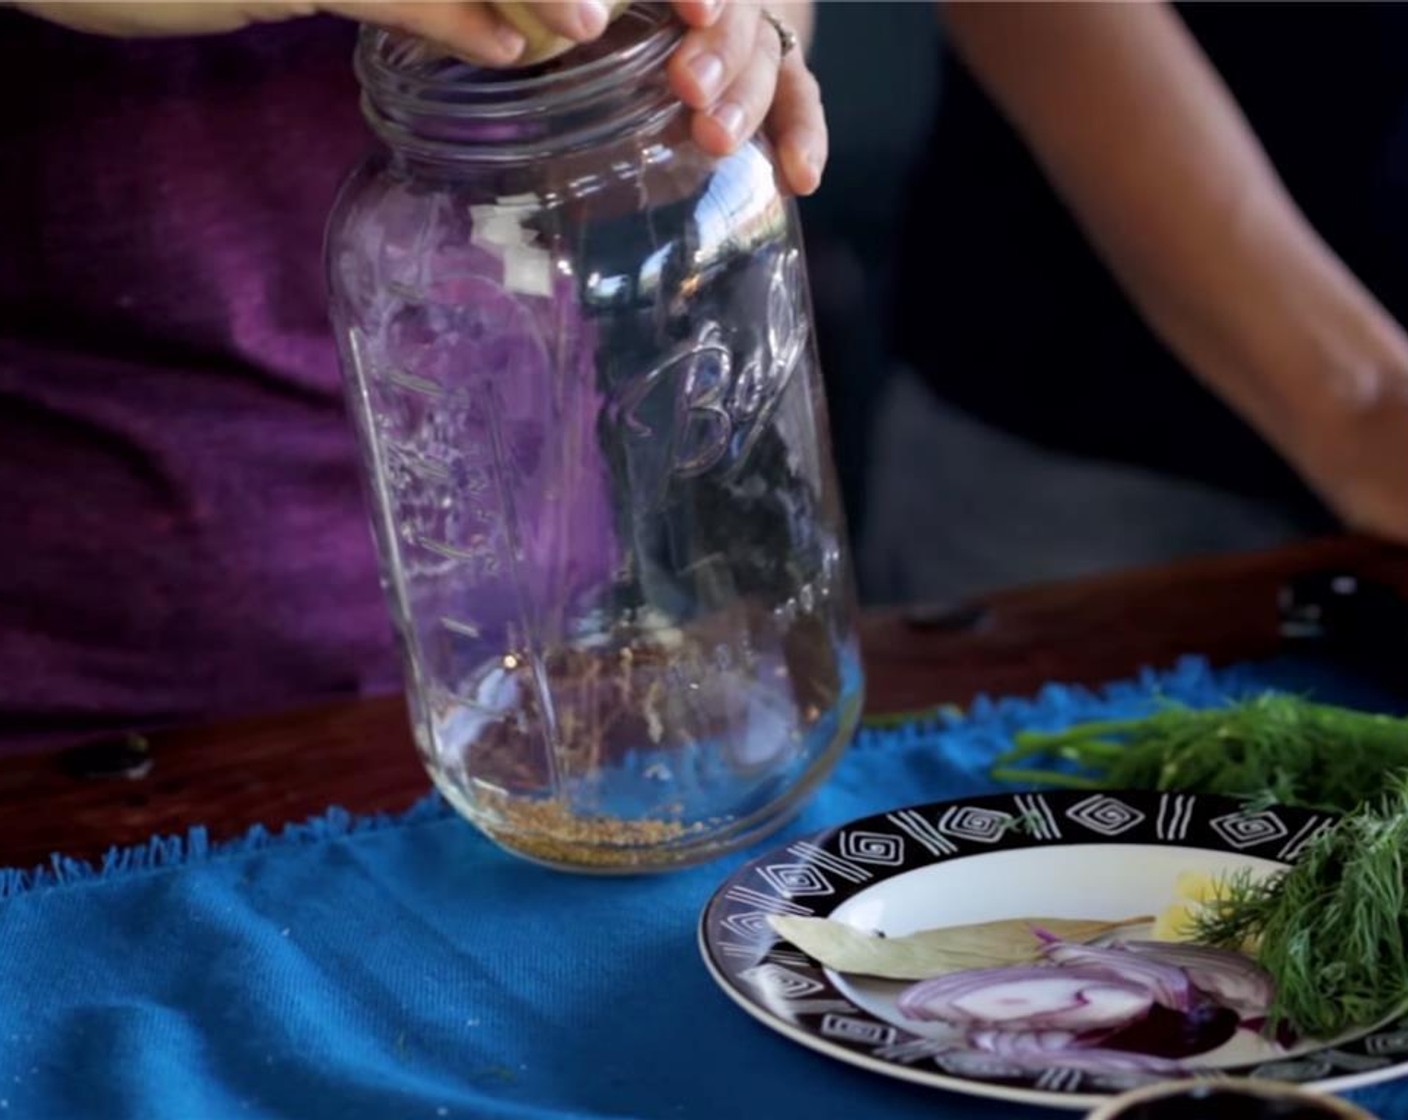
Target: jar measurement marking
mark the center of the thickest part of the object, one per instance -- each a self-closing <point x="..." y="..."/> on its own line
<point x="455" y="552"/>
<point x="412" y="382"/>
<point x="456" y="626"/>
<point x="420" y="466"/>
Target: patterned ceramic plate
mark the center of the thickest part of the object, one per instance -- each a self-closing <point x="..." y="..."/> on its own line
<point x="1077" y="855"/>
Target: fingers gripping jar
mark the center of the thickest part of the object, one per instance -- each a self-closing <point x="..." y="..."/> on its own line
<point x="580" y="360"/>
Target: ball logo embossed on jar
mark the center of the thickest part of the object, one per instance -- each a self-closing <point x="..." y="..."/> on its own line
<point x="724" y="385"/>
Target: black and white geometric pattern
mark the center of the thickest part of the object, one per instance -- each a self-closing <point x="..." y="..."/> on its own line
<point x="748" y="923"/>
<point x="1244" y="830"/>
<point x="1106" y="815"/>
<point x="911" y="1050"/>
<point x="1303" y="838"/>
<point x="847" y="870"/>
<point x="796" y="880"/>
<point x="974" y="822"/>
<point x="1036" y="814"/>
<point x="816" y="875"/>
<point x="771" y="903"/>
<point x="1059" y="1080"/>
<point x="1175" y="814"/>
<point x="881" y="848"/>
<point x="868" y="1031"/>
<point x="775" y="982"/>
<point x="1390" y="1042"/>
<point x="915" y="825"/>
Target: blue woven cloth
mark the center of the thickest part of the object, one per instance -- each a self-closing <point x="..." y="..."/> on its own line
<point x="407" y="968"/>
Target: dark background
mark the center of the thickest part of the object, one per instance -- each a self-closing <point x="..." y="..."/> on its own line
<point x="945" y="503"/>
<point x="878" y="64"/>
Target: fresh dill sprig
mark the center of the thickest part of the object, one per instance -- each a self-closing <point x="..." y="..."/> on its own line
<point x="1332" y="930"/>
<point x="1274" y="748"/>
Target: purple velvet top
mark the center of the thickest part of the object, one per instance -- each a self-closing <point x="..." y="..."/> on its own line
<point x="185" y="534"/>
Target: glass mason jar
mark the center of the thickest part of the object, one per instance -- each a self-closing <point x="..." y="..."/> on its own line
<point x="580" y="359"/>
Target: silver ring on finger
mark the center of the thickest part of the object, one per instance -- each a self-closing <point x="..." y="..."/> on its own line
<point x="786" y="37"/>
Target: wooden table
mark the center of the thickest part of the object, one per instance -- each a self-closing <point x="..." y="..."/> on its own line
<point x="358" y="753"/>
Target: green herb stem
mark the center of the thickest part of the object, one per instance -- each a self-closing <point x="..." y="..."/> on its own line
<point x="1333" y="930"/>
<point x="1274" y="747"/>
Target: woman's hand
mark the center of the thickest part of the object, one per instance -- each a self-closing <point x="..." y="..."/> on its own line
<point x="471" y="28"/>
<point x="732" y="71"/>
<point x="1329" y="387"/>
<point x="1356" y="459"/>
<point x="730" y="68"/>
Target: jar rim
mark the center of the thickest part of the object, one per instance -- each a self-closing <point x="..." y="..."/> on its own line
<point x="433" y="81"/>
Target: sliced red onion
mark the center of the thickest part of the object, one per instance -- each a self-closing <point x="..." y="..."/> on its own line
<point x="1232" y="978"/>
<point x="991" y="1040"/>
<point x="1031" y="998"/>
<point x="1031" y="1050"/>
<point x="1169" y="985"/>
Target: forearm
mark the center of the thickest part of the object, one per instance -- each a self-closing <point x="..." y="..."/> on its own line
<point x="131" y="20"/>
<point x="1143" y="141"/>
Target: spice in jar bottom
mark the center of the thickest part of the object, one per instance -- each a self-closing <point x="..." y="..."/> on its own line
<point x="662" y="692"/>
<point x="549" y="831"/>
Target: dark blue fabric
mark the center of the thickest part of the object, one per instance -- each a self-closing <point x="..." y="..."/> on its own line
<point x="407" y="968"/>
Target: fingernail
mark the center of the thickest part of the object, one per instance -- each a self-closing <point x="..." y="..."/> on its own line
<point x="730" y="116"/>
<point x="592" y="17"/>
<point x="800" y="168"/>
<point x="708" y="71"/>
<point x="511" y="41"/>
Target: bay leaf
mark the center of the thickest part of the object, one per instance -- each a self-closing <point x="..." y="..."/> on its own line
<point x="934" y="952"/>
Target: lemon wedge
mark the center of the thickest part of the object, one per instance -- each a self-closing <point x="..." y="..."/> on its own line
<point x="543" y="44"/>
<point x="1193" y="890"/>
